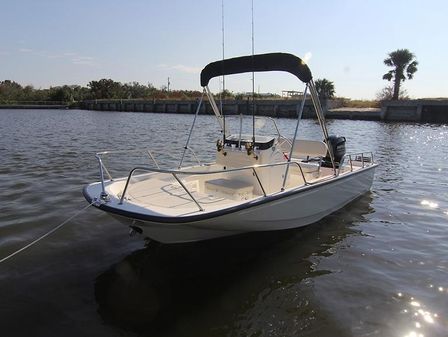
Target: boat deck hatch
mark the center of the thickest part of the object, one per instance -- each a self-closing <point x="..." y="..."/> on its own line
<point x="231" y="189"/>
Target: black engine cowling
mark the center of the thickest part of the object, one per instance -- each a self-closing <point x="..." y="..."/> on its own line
<point x="337" y="145"/>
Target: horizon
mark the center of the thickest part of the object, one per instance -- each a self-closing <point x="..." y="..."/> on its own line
<point x="50" y="43"/>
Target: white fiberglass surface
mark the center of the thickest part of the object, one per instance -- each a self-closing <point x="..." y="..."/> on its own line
<point x="162" y="193"/>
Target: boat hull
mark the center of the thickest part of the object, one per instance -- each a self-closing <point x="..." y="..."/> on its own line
<point x="284" y="210"/>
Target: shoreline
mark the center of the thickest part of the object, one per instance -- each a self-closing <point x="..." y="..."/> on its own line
<point x="419" y="111"/>
<point x="34" y="106"/>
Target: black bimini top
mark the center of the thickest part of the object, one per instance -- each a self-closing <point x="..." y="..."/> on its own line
<point x="262" y="62"/>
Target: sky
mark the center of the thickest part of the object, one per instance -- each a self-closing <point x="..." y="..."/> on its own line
<point x="55" y="42"/>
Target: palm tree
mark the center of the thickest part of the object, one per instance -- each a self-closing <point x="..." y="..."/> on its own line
<point x="324" y="88"/>
<point x="403" y="61"/>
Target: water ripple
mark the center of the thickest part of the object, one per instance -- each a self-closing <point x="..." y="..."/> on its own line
<point x="376" y="267"/>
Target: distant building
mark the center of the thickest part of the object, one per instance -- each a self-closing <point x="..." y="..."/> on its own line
<point x="266" y="95"/>
<point x="292" y="94"/>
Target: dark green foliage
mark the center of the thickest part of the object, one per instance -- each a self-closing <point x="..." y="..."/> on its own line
<point x="61" y="94"/>
<point x="404" y="64"/>
<point x="11" y="92"/>
<point x="106" y="88"/>
<point x="324" y="88"/>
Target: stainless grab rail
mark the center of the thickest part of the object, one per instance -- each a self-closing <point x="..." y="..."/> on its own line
<point x="363" y="155"/>
<point x="177" y="172"/>
<point x="147" y="152"/>
<point x="103" y="194"/>
<point x="259" y="181"/>
<point x="120" y="151"/>
<point x="186" y="190"/>
<point x="103" y="167"/>
<point x="194" y="155"/>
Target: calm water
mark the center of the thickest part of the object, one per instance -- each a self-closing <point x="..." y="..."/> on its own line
<point x="378" y="267"/>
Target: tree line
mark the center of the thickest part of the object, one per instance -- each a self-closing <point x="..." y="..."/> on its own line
<point x="11" y="91"/>
<point x="402" y="61"/>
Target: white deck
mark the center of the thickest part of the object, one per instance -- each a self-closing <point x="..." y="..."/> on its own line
<point x="161" y="192"/>
<point x="237" y="177"/>
<point x="164" y="194"/>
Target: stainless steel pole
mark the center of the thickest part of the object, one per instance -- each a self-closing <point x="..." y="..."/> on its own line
<point x="191" y="130"/>
<point x="321" y="118"/>
<point x="299" y="117"/>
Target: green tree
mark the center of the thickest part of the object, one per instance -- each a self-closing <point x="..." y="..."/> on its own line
<point x="403" y="62"/>
<point x="135" y="90"/>
<point x="106" y="88"/>
<point x="10" y="91"/>
<point x="29" y="93"/>
<point x="61" y="94"/>
<point x="80" y="93"/>
<point x="324" y="88"/>
<point x="152" y="90"/>
<point x="226" y="94"/>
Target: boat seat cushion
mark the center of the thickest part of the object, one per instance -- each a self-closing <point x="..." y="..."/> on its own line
<point x="309" y="148"/>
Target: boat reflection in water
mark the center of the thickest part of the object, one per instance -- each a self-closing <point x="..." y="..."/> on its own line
<point x="226" y="284"/>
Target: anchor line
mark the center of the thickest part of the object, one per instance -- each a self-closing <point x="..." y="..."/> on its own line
<point x="32" y="243"/>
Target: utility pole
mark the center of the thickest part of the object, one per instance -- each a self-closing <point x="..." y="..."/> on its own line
<point x="168" y="88"/>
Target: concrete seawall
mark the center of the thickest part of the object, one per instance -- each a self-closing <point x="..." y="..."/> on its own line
<point x="422" y="110"/>
<point x="271" y="108"/>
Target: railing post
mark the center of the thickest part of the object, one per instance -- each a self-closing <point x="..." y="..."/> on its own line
<point x="126" y="186"/>
<point x="106" y="170"/>
<point x="153" y="159"/>
<point x="303" y="175"/>
<point x="259" y="181"/>
<point x="299" y="116"/>
<point x="194" y="155"/>
<point x="188" y="192"/>
<point x="191" y="130"/>
<point x="103" y="194"/>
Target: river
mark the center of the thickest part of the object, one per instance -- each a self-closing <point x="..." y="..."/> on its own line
<point x="378" y="267"/>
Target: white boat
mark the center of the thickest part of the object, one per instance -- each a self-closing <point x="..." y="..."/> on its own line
<point x="257" y="183"/>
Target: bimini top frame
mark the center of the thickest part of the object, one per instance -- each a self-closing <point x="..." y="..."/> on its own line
<point x="256" y="63"/>
<point x="260" y="63"/>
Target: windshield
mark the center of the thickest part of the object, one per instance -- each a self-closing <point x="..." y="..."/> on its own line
<point x="264" y="126"/>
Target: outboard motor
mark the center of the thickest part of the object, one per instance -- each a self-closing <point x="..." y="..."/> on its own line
<point x="337" y="144"/>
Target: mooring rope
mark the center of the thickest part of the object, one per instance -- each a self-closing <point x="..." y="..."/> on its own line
<point x="47" y="233"/>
